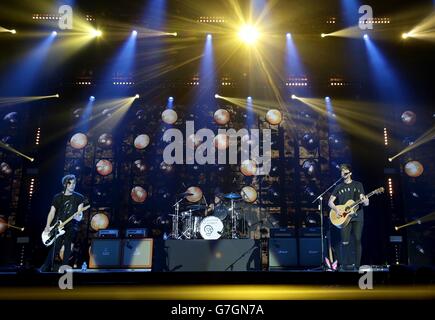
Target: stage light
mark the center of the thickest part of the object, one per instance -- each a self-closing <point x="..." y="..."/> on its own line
<point x="288" y="35"/>
<point x="13" y="31"/>
<point x="327" y="98"/>
<point x="57" y="95"/>
<point x="96" y="33"/>
<point x="293" y="96"/>
<point x="174" y="34"/>
<point x="134" y="33"/>
<point x="323" y="35"/>
<point x="54" y="33"/>
<point x="390" y="159"/>
<point x="405" y="35"/>
<point x="171" y="99"/>
<point x="91" y="98"/>
<point x="366" y="36"/>
<point x="209" y="36"/>
<point x="216" y="96"/>
<point x="249" y="98"/>
<point x="248" y="34"/>
<point x="137" y="96"/>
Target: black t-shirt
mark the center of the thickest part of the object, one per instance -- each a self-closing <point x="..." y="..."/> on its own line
<point x="347" y="191"/>
<point x="66" y="206"/>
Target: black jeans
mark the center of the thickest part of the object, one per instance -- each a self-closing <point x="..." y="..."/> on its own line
<point x="65" y="240"/>
<point x="355" y="227"/>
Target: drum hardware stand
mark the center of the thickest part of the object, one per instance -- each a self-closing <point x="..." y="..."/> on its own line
<point x="188" y="232"/>
<point x="233" y="221"/>
<point x="175" y="220"/>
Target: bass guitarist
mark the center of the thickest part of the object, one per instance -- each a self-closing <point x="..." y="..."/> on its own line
<point x="350" y="190"/>
<point x="64" y="204"/>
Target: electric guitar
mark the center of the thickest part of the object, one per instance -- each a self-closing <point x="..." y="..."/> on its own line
<point x="348" y="209"/>
<point x="57" y="230"/>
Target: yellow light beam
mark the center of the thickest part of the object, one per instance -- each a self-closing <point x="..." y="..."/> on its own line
<point x="11" y="149"/>
<point x="424" y="138"/>
<point x="426" y="218"/>
<point x="13" y="31"/>
<point x="18" y="100"/>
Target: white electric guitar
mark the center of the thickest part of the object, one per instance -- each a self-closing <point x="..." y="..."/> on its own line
<point x="57" y="230"/>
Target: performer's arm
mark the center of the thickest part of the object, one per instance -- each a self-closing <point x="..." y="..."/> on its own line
<point x="364" y="199"/>
<point x="332" y="205"/>
<point x="50" y="218"/>
<point x="79" y="215"/>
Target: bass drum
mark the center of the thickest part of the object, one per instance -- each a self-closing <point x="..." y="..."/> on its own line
<point x="211" y="228"/>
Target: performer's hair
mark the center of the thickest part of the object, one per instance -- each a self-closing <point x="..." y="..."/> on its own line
<point x="67" y="179"/>
<point x="346" y="166"/>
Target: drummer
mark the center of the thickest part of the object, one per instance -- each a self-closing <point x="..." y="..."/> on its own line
<point x="218" y="196"/>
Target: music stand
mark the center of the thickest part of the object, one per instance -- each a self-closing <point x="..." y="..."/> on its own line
<point x="322" y="236"/>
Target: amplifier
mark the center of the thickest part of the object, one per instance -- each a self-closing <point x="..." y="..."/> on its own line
<point x="108" y="233"/>
<point x="282" y="233"/>
<point x="313" y="232"/>
<point x="136" y="233"/>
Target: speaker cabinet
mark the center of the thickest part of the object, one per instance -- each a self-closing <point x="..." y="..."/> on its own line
<point x="105" y="253"/>
<point x="310" y="252"/>
<point x="137" y="253"/>
<point x="282" y="253"/>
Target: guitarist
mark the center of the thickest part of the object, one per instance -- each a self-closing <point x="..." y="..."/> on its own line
<point x="350" y="190"/>
<point x="63" y="206"/>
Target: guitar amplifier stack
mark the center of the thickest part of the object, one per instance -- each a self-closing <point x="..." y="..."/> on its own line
<point x="288" y="251"/>
<point x="121" y="253"/>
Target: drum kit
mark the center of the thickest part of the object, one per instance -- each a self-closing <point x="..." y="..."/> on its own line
<point x="192" y="223"/>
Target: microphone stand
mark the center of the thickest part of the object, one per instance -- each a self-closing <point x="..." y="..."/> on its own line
<point x="320" y="199"/>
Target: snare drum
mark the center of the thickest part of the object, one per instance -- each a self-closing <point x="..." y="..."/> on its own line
<point x="211" y="228"/>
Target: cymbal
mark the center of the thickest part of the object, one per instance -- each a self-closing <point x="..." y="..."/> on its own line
<point x="232" y="195"/>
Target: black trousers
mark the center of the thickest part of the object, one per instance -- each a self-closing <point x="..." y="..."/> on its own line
<point x="354" y="229"/>
<point x="50" y="263"/>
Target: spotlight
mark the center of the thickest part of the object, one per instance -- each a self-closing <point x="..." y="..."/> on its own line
<point x="293" y="96"/>
<point x="54" y="33"/>
<point x="366" y="36"/>
<point x="209" y="36"/>
<point x="390" y="159"/>
<point x="249" y="98"/>
<point x="96" y="33"/>
<point x="216" y="96"/>
<point x="171" y="99"/>
<point x="323" y="35"/>
<point x="13" y="31"/>
<point x="289" y="35"/>
<point x="405" y="35"/>
<point x="397" y="228"/>
<point x="137" y="96"/>
<point x="91" y="98"/>
<point x="327" y="98"/>
<point x="174" y="34"/>
<point x="134" y="33"/>
<point x="248" y="34"/>
<point x="57" y="95"/>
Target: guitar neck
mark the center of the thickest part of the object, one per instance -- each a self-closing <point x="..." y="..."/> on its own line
<point x="72" y="216"/>
<point x="359" y="201"/>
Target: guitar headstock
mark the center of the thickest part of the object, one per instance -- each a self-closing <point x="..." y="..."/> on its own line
<point x="379" y="190"/>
